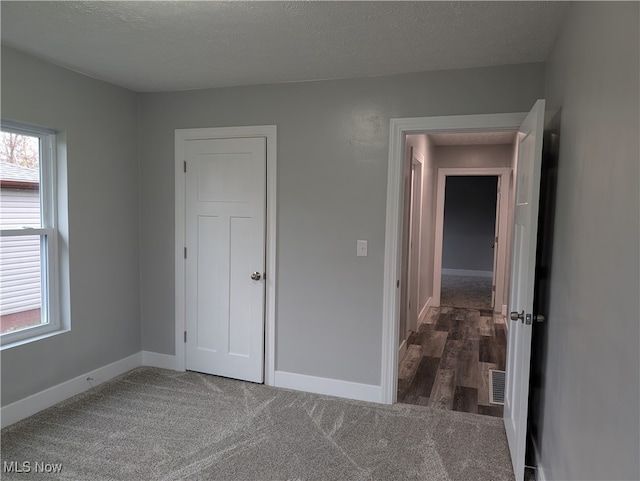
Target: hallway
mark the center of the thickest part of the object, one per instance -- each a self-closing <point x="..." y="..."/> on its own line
<point x="447" y="361"/>
<point x="466" y="291"/>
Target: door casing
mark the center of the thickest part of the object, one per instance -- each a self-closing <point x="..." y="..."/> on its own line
<point x="399" y="129"/>
<point x="415" y="237"/>
<point x="181" y="136"/>
<point x="412" y="226"/>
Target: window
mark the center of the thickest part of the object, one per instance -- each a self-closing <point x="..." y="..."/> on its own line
<point x="28" y="233"/>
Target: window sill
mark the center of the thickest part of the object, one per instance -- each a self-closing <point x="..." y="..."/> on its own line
<point x="36" y="338"/>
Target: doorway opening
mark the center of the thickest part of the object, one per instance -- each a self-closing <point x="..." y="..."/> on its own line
<point x="400" y="131"/>
<point x="469" y="241"/>
<point x="456" y="236"/>
<point x="524" y="204"/>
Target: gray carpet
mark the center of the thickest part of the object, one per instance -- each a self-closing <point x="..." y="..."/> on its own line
<point x="466" y="292"/>
<point x="155" y="424"/>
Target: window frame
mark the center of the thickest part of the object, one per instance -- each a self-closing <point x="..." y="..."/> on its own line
<point x="48" y="232"/>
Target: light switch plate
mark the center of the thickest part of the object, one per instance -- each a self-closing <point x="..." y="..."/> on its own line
<point x="362" y="248"/>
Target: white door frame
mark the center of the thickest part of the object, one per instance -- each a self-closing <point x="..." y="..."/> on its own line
<point x="415" y="234"/>
<point x="501" y="253"/>
<point x="181" y="135"/>
<point x="498" y="237"/>
<point x="399" y="128"/>
<point x="411" y="267"/>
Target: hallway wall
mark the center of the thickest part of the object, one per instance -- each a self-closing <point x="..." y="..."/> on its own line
<point x="423" y="144"/>
<point x="429" y="195"/>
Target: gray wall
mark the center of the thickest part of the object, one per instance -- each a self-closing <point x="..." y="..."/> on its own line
<point x="469" y="222"/>
<point x="99" y="122"/>
<point x="332" y="176"/>
<point x="590" y="425"/>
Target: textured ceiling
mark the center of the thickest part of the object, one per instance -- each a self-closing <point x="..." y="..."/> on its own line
<point x="156" y="46"/>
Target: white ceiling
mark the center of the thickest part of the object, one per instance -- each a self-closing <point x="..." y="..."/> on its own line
<point x="178" y="45"/>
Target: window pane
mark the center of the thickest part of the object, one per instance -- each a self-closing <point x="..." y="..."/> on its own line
<point x="19" y="181"/>
<point x="20" y="283"/>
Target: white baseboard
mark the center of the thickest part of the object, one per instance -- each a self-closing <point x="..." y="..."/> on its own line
<point x="467" y="273"/>
<point x="331" y="387"/>
<point x="424" y="310"/>
<point x="155" y="359"/>
<point x="28" y="406"/>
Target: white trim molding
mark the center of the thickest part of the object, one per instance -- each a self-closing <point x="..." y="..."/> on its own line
<point x="270" y="133"/>
<point x="48" y="254"/>
<point x="424" y="310"/>
<point x="398" y="130"/>
<point x="163" y="361"/>
<point x="330" y="387"/>
<point x="30" y="405"/>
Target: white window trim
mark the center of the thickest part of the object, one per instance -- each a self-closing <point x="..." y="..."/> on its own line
<point x="49" y="263"/>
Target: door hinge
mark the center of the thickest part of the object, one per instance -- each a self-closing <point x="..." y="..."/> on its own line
<point x="185" y="252"/>
<point x="496" y="240"/>
<point x="185" y="336"/>
<point x="397" y="283"/>
<point x="493" y="288"/>
<point x="185" y="166"/>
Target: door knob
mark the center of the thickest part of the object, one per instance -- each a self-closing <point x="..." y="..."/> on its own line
<point x="515" y="316"/>
<point x="256" y="276"/>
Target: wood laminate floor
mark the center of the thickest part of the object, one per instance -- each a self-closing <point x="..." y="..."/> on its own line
<point x="447" y="361"/>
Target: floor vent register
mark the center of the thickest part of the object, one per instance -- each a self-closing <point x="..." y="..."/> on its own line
<point x="496" y="386"/>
